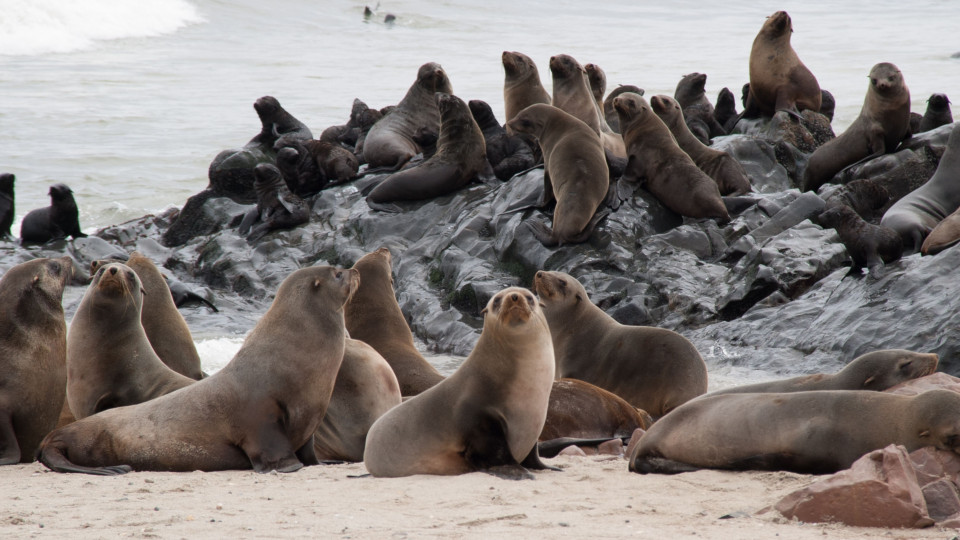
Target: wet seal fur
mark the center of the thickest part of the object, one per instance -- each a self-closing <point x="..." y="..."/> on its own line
<point x="871" y="246"/>
<point x="261" y="410"/>
<point x="691" y="95"/>
<point x="937" y="114"/>
<point x="883" y="123"/>
<point x="277" y="207"/>
<point x="815" y="432"/>
<point x="488" y="414"/>
<point x="33" y="354"/>
<point x="507" y="154"/>
<point x="778" y="79"/>
<point x="59" y="220"/>
<point x="575" y="172"/>
<point x="651" y="368"/>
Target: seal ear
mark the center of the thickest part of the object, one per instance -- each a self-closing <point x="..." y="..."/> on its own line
<point x="579" y="298"/>
<point x="867" y="382"/>
<point x="316" y="282"/>
<point x="483" y="311"/>
<point x="36" y="280"/>
<point x="924" y="434"/>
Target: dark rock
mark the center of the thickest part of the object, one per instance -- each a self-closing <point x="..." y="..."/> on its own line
<point x="942" y="498"/>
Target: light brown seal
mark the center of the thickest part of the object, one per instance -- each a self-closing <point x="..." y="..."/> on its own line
<point x="778" y="79"/>
<point x="488" y="414"/>
<point x="815" y="432"/>
<point x="521" y="85"/>
<point x="657" y="163"/>
<point x="572" y="94"/>
<point x="261" y="410"/>
<point x="654" y="369"/>
<point x="945" y="235"/>
<point x="33" y="354"/>
<point x="727" y="172"/>
<point x="390" y="142"/>
<point x="609" y="112"/>
<point x="366" y="388"/>
<point x="598" y="84"/>
<point x="581" y="410"/>
<point x="876" y="371"/>
<point x="883" y="123"/>
<point x="110" y="362"/>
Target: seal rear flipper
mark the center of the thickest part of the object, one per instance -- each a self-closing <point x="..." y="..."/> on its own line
<point x="248" y="220"/>
<point x="54" y="459"/>
<point x="269" y="449"/>
<point x="543" y="233"/>
<point x="384" y="207"/>
<point x="584" y="235"/>
<point x="659" y="465"/>
<point x="307" y="454"/>
<point x="9" y="447"/>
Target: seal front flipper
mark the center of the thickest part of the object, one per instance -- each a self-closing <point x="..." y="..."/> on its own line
<point x="532" y="461"/>
<point x="486" y="448"/>
<point x="384" y="207"/>
<point x="9" y="447"/>
<point x="307" y="454"/>
<point x="248" y="220"/>
<point x="269" y="449"/>
<point x="659" y="465"/>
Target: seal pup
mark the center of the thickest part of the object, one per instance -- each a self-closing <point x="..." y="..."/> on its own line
<point x="373" y="316"/>
<point x="815" y="432"/>
<point x="276" y="208"/>
<point x="778" y="79"/>
<point x="59" y="220"/>
<point x="575" y="172"/>
<point x="521" y="85"/>
<point x="609" y="112"/>
<point x="727" y="172"/>
<point x="884" y="122"/>
<point x="916" y="214"/>
<point x="726" y="109"/>
<point x="657" y="163"/>
<point x="7" y="209"/>
<point x="692" y="96"/>
<point x="261" y="410"/>
<point x="461" y="157"/>
<point x="571" y="94"/>
<point x="654" y="369"/>
<point x="871" y="246"/>
<point x="33" y="354"/>
<point x="488" y="414"/>
<point x="390" y="142"/>
<point x="507" y="154"/>
<point x="365" y="389"/>
<point x="937" y="114"/>
<point x="875" y="371"/>
<point x="110" y="362"/>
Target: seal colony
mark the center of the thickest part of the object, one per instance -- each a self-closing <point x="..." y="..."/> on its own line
<point x="325" y="372"/>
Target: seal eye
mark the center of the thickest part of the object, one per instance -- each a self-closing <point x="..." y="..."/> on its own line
<point x="339" y="275"/>
<point x="496" y="302"/>
<point x="531" y="301"/>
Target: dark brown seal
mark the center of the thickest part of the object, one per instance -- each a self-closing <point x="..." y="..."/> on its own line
<point x="875" y="371"/>
<point x="581" y="410"/>
<point x="778" y="79"/>
<point x="33" y="354"/>
<point x="657" y="163"/>
<point x="7" y="208"/>
<point x="597" y="80"/>
<point x="883" y="123"/>
<point x="507" y="154"/>
<point x="654" y="369"/>
<point x="493" y="407"/>
<point x="277" y="207"/>
<point x="937" y="114"/>
<point x="871" y="246"/>
<point x="461" y="158"/>
<point x="261" y="410"/>
<point x="806" y="432"/>
<point x="726" y="109"/>
<point x="110" y="362"/>
<point x="610" y="112"/>
<point x="308" y="166"/>
<point x="521" y="85"/>
<point x="390" y="142"/>
<point x="59" y="220"/>
<point x="575" y="172"/>
<point x="727" y="172"/>
<point x="691" y="94"/>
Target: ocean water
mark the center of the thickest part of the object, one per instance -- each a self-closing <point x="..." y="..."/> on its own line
<point x="128" y="102"/>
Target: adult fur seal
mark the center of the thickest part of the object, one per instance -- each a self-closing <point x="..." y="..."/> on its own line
<point x="883" y="123"/>
<point x="937" y="114"/>
<point x="657" y="163"/>
<point x="521" y="85"/>
<point x="571" y="94"/>
<point x="7" y="210"/>
<point x="654" y="369"/>
<point x="488" y="414"/>
<point x="110" y="362"/>
<point x="692" y="97"/>
<point x="871" y="246"/>
<point x="945" y="235"/>
<point x="33" y="354"/>
<point x="59" y="220"/>
<point x="597" y="80"/>
<point x="806" y="432"/>
<point x="727" y="172"/>
<point x="581" y="410"/>
<point x="461" y="157"/>
<point x="916" y="214"/>
<point x="261" y="410"/>
<point x="390" y="142"/>
<point x="875" y="371"/>
<point x="277" y="207"/>
<point x="609" y="112"/>
<point x="575" y="172"/>
<point x="778" y="79"/>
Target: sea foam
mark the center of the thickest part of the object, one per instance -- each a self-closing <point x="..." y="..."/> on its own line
<point x="58" y="26"/>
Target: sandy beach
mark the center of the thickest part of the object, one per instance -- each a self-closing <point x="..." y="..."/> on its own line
<point x="593" y="497"/>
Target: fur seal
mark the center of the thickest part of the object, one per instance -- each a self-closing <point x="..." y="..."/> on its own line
<point x="727" y="172"/>
<point x="347" y="133"/>
<point x="916" y="214"/>
<point x="261" y="410"/>
<point x="945" y="235"/>
<point x="778" y="79"/>
<point x="488" y="414"/>
<point x="937" y="114"/>
<point x="597" y="80"/>
<point x="654" y="369"/>
<point x="657" y="163"/>
<point x="726" y="109"/>
<point x="827" y="104"/>
<point x="276" y="208"/>
<point x="609" y="112"/>
<point x="521" y="85"/>
<point x="366" y="388"/>
<point x="692" y="96"/>
<point x="7" y="209"/>
<point x="875" y="371"/>
<point x="59" y="220"/>
<point x="571" y="94"/>
<point x="815" y="432"/>
<point x="308" y="166"/>
<point x="883" y="123"/>
<point x="33" y="354"/>
<point x="373" y="316"/>
<point x="581" y="410"/>
<point x="110" y="362"/>
<point x="390" y="142"/>
<point x="575" y="172"/>
<point x="871" y="246"/>
<point x="461" y="157"/>
<point x="507" y="154"/>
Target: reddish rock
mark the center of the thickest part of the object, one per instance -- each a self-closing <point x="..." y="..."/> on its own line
<point x="878" y="490"/>
<point x="572" y="450"/>
<point x="952" y="523"/>
<point x="931" y="464"/>
<point x="634" y="440"/>
<point x="612" y="447"/>
<point x="930" y="382"/>
<point x="942" y="498"/>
